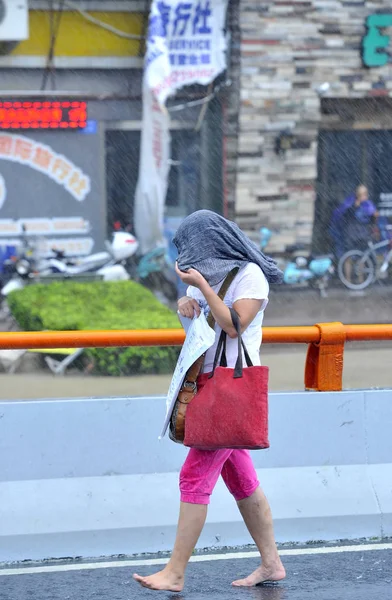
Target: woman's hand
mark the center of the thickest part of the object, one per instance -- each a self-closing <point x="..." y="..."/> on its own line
<point x="187" y="307"/>
<point x="191" y="277"/>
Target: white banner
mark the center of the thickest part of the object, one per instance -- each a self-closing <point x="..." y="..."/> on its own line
<point x="153" y="174"/>
<point x="185" y="45"/>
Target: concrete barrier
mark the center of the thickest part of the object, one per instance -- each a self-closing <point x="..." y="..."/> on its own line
<point x="88" y="477"/>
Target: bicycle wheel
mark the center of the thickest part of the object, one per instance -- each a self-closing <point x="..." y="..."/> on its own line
<point x="356" y="270"/>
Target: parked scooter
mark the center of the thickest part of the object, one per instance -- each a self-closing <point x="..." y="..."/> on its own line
<point x="154" y="269"/>
<point x="8" y="259"/>
<point x="16" y="266"/>
<point x="303" y="270"/>
<point x="108" y="265"/>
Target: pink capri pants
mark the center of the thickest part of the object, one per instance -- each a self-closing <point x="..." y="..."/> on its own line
<point x="202" y="468"/>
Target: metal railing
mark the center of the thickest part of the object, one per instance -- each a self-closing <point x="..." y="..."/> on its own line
<point x="324" y="360"/>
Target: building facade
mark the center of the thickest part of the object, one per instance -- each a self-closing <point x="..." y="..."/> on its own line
<point x="70" y="184"/>
<point x="301" y="117"/>
<point x="315" y="114"/>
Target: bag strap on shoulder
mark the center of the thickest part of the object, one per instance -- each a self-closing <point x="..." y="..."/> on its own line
<point x="222" y="293"/>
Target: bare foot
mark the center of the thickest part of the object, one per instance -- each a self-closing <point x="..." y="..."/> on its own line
<point x="262" y="575"/>
<point x="163" y="580"/>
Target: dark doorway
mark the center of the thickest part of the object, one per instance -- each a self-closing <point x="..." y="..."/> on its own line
<point x="196" y="172"/>
<point x="183" y="193"/>
<point x="122" y="164"/>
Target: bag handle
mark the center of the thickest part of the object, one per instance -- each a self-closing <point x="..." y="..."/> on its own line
<point x="223" y="362"/>
<point x="238" y="365"/>
<point x="221" y="349"/>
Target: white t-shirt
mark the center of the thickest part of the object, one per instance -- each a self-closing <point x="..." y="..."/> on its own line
<point x="250" y="282"/>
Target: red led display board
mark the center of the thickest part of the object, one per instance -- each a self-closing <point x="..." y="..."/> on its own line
<point x="43" y="114"/>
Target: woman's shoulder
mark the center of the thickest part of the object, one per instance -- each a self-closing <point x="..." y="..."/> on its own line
<point x="252" y="270"/>
<point x="251" y="282"/>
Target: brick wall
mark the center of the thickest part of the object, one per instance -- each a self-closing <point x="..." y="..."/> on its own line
<point x="288" y="49"/>
<point x="232" y="108"/>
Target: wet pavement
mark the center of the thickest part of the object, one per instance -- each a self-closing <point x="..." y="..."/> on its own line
<point x="363" y="575"/>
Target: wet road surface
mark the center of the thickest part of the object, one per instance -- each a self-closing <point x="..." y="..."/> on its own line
<point x="348" y="575"/>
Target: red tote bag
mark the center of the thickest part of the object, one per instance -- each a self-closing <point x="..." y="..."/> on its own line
<point x="230" y="410"/>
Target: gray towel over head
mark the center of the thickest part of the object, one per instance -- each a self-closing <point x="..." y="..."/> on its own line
<point x="214" y="246"/>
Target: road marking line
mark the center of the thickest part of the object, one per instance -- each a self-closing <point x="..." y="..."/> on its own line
<point x="198" y="558"/>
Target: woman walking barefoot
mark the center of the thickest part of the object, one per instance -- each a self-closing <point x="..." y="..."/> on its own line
<point x="209" y="247"/>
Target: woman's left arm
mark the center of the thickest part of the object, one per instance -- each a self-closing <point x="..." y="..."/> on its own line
<point x="246" y="308"/>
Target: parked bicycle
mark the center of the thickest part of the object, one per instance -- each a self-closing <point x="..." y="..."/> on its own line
<point x="358" y="269"/>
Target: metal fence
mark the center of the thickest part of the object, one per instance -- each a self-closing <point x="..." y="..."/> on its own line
<point x="323" y="366"/>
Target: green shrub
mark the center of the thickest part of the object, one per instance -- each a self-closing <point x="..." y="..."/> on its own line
<point x="66" y="305"/>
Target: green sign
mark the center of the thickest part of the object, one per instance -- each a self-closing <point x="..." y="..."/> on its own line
<point x="374" y="44"/>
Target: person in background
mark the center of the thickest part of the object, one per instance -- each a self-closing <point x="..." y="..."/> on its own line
<point x="351" y="224"/>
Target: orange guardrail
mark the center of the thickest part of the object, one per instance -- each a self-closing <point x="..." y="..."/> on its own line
<point x="324" y="361"/>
